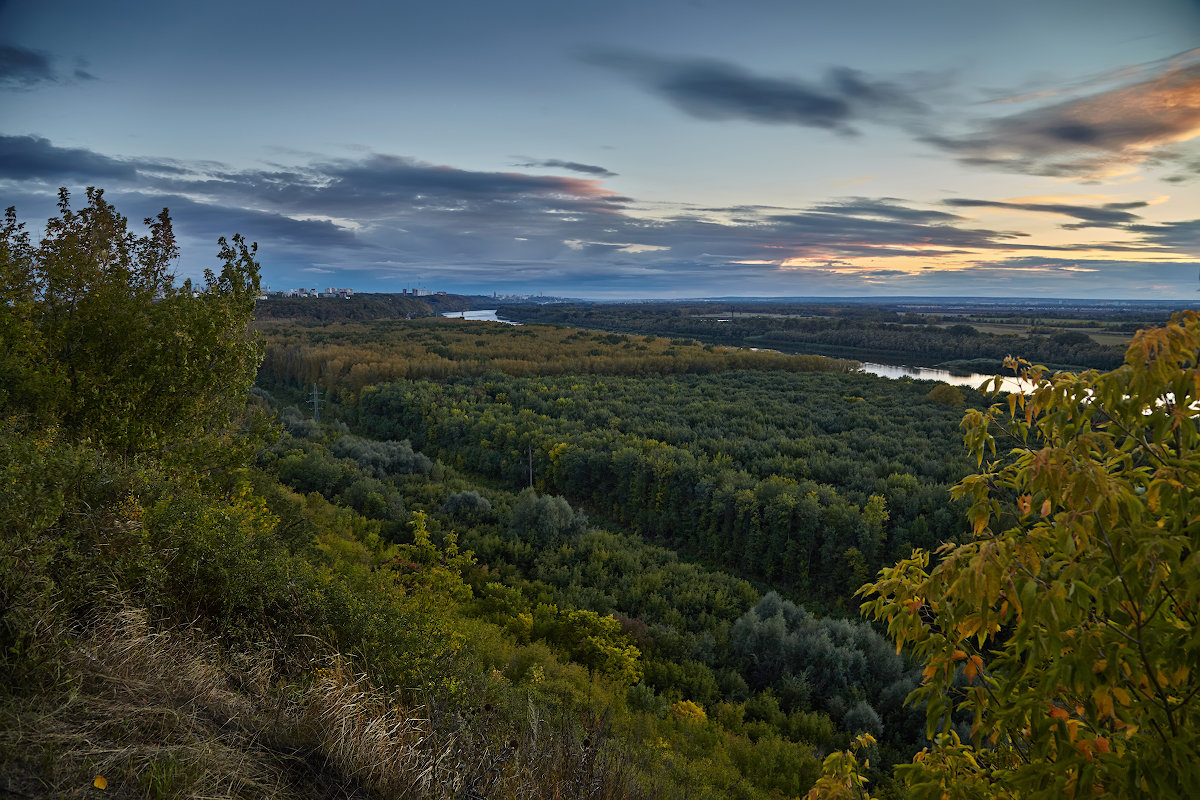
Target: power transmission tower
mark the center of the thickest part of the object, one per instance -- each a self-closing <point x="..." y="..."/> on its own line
<point x="316" y="404"/>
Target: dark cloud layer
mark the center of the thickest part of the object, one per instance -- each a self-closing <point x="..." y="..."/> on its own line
<point x="1110" y="215"/>
<point x="380" y="186"/>
<point x="1182" y="236"/>
<point x="32" y="157"/>
<point x="22" y="68"/>
<point x="392" y="222"/>
<point x="573" y="166"/>
<point x="886" y="207"/>
<point x="717" y="90"/>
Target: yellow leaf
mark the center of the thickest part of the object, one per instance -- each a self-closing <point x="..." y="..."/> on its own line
<point x="99" y="782"/>
<point x="1046" y="508"/>
<point x="969" y="626"/>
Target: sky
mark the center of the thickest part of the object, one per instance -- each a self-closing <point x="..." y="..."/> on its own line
<point x="619" y="149"/>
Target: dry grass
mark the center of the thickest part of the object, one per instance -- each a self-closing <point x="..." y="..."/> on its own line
<point x="432" y="752"/>
<point x="167" y="715"/>
<point x="155" y="713"/>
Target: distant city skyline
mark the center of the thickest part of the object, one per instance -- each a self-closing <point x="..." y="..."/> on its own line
<point x="672" y="149"/>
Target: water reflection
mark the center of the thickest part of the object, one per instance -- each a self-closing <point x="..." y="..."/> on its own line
<point x="973" y="380"/>
<point x="480" y="316"/>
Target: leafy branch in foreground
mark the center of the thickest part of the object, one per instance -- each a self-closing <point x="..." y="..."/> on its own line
<point x="1066" y="630"/>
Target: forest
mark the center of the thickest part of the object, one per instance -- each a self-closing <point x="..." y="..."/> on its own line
<point x="346" y="357"/>
<point x="809" y="481"/>
<point x="361" y="306"/>
<point x="865" y="332"/>
<point x="494" y="561"/>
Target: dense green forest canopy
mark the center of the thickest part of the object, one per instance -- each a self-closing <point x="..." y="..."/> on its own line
<point x="811" y="481"/>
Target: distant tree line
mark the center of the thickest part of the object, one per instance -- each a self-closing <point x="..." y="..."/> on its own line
<point x="847" y="332"/>
<point x="346" y="357"/>
<point x="342" y="309"/>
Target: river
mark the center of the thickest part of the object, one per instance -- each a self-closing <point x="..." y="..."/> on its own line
<point x="973" y="380"/>
<point x="478" y="316"/>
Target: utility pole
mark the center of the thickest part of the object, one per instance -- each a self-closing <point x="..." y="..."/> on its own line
<point x="316" y="404"/>
<point x="531" y="466"/>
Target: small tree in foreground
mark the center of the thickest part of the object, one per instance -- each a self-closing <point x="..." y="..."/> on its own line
<point x="96" y="336"/>
<point x="1066" y="631"/>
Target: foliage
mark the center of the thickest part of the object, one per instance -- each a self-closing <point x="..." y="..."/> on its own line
<point x="351" y="356"/>
<point x="601" y="597"/>
<point x="946" y="395"/>
<point x="846" y="331"/>
<point x="1066" y="629"/>
<point x="380" y="459"/>
<point x="772" y="475"/>
<point x="545" y="520"/>
<point x="329" y="309"/>
<point x="469" y="503"/>
<point x="841" y="776"/>
<point x="836" y="666"/>
<point x="99" y="339"/>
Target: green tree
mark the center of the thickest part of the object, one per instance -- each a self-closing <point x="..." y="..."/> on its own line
<point x="545" y="520"/>
<point x="100" y="340"/>
<point x="946" y="395"/>
<point x="1066" y="631"/>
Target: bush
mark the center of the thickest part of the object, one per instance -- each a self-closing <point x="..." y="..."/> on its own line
<point x="467" y="504"/>
<point x="545" y="520"/>
<point x="946" y="395"/>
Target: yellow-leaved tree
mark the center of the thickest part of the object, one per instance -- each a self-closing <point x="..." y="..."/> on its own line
<point x="1064" y="634"/>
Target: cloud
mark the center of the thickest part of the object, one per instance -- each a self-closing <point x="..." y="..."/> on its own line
<point x="32" y="157"/>
<point x="377" y="187"/>
<point x="208" y="221"/>
<point x="384" y="221"/>
<point x="1096" y="136"/>
<point x="888" y="208"/>
<point x="23" y="69"/>
<point x="574" y="166"/>
<point x="1109" y="215"/>
<point x="717" y="90"/>
<point x="1186" y="171"/>
<point x="1060" y="277"/>
<point x="1180" y="237"/>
